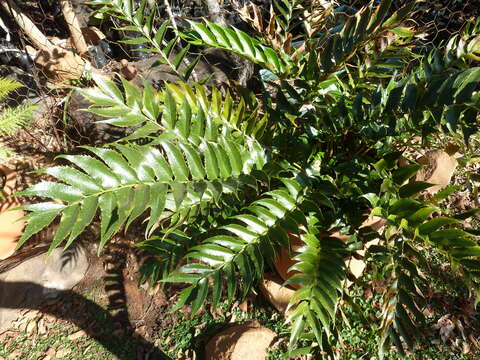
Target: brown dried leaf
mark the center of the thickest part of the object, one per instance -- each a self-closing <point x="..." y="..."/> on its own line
<point x="288" y="43"/>
<point x="271" y="23"/>
<point x="257" y="18"/>
<point x="60" y="64"/>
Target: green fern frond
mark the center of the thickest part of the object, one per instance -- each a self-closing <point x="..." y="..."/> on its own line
<point x="242" y="249"/>
<point x="331" y="51"/>
<point x="180" y="111"/>
<point x="127" y="181"/>
<point x="327" y="53"/>
<point x="461" y="247"/>
<point x="238" y="42"/>
<point x="7" y="86"/>
<point x="12" y="119"/>
<point x="401" y="313"/>
<point x="320" y="271"/>
<point x="436" y="96"/>
<point x="410" y="221"/>
<point x="140" y="19"/>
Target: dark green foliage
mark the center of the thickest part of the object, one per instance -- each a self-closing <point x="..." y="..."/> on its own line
<point x="230" y="179"/>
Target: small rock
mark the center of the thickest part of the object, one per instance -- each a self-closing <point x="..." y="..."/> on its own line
<point x="76" y="335"/>
<point x="276" y="294"/>
<point x="65" y="268"/>
<point x="239" y="342"/>
<point x="36" y="279"/>
<point x="439" y="168"/>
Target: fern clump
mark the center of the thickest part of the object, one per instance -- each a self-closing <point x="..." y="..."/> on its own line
<point x="12" y="118"/>
<point x="223" y="182"/>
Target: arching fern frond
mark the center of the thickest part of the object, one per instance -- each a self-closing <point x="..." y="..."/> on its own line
<point x="180" y="111"/>
<point x="238" y="42"/>
<point x="241" y="248"/>
<point x="123" y="183"/>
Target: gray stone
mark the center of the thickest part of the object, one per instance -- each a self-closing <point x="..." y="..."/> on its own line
<point x="39" y="278"/>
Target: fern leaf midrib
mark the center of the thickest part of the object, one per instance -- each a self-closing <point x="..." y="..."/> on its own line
<point x="247" y="245"/>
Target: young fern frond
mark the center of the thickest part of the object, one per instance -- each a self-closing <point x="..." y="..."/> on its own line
<point x="247" y="242"/>
<point x="7" y="86"/>
<point x="320" y="271"/>
<point x="180" y="111"/>
<point x="12" y="119"/>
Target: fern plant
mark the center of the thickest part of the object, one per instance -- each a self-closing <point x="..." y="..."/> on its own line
<point x="224" y="181"/>
<point x="11" y="118"/>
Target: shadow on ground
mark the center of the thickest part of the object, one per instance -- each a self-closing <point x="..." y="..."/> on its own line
<point x="101" y="331"/>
